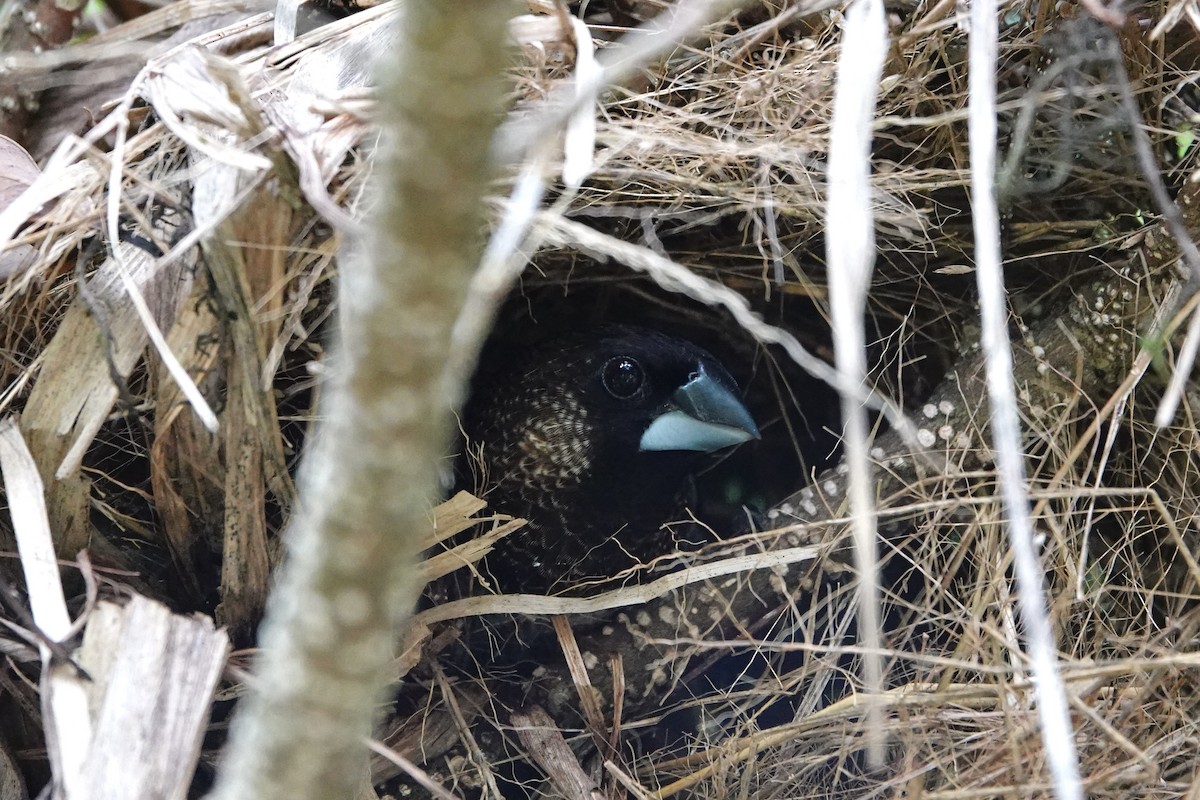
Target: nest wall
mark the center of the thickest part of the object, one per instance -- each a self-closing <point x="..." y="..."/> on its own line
<point x="714" y="156"/>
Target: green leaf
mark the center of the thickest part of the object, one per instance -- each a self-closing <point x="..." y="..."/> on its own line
<point x="1183" y="142"/>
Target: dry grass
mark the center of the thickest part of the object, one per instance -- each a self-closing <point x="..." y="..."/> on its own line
<point x="716" y="156"/>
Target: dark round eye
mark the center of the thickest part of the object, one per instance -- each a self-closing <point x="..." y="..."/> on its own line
<point x="623" y="377"/>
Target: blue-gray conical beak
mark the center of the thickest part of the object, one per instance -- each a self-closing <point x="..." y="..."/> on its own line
<point x="703" y="416"/>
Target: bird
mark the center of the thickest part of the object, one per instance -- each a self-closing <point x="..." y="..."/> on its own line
<point x="591" y="436"/>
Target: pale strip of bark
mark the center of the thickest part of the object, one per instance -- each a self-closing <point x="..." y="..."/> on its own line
<point x="12" y="782"/>
<point x="254" y="458"/>
<point x="370" y="478"/>
<point x="64" y="700"/>
<point x="74" y="393"/>
<point x="130" y="724"/>
<point x="550" y="751"/>
<point x="624" y="597"/>
<point x="153" y="677"/>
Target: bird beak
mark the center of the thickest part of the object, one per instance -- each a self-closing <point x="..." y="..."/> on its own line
<point x="703" y="416"/>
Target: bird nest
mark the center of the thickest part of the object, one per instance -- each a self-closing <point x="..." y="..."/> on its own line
<point x="229" y="167"/>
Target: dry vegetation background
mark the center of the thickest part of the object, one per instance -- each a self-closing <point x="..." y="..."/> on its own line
<point x="231" y="165"/>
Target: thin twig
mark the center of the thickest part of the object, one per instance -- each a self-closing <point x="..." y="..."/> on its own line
<point x="1057" y="733"/>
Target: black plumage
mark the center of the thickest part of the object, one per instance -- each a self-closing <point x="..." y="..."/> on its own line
<point x="591" y="437"/>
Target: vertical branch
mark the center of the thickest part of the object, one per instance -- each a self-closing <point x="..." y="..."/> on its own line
<point x="371" y="473"/>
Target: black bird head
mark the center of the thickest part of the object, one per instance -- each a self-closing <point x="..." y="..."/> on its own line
<point x="591" y="436"/>
<point x="652" y="393"/>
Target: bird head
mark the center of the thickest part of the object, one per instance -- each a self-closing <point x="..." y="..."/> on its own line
<point x="655" y="393"/>
<point x="613" y="407"/>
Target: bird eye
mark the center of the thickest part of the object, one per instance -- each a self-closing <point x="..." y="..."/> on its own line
<point x="623" y="377"/>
